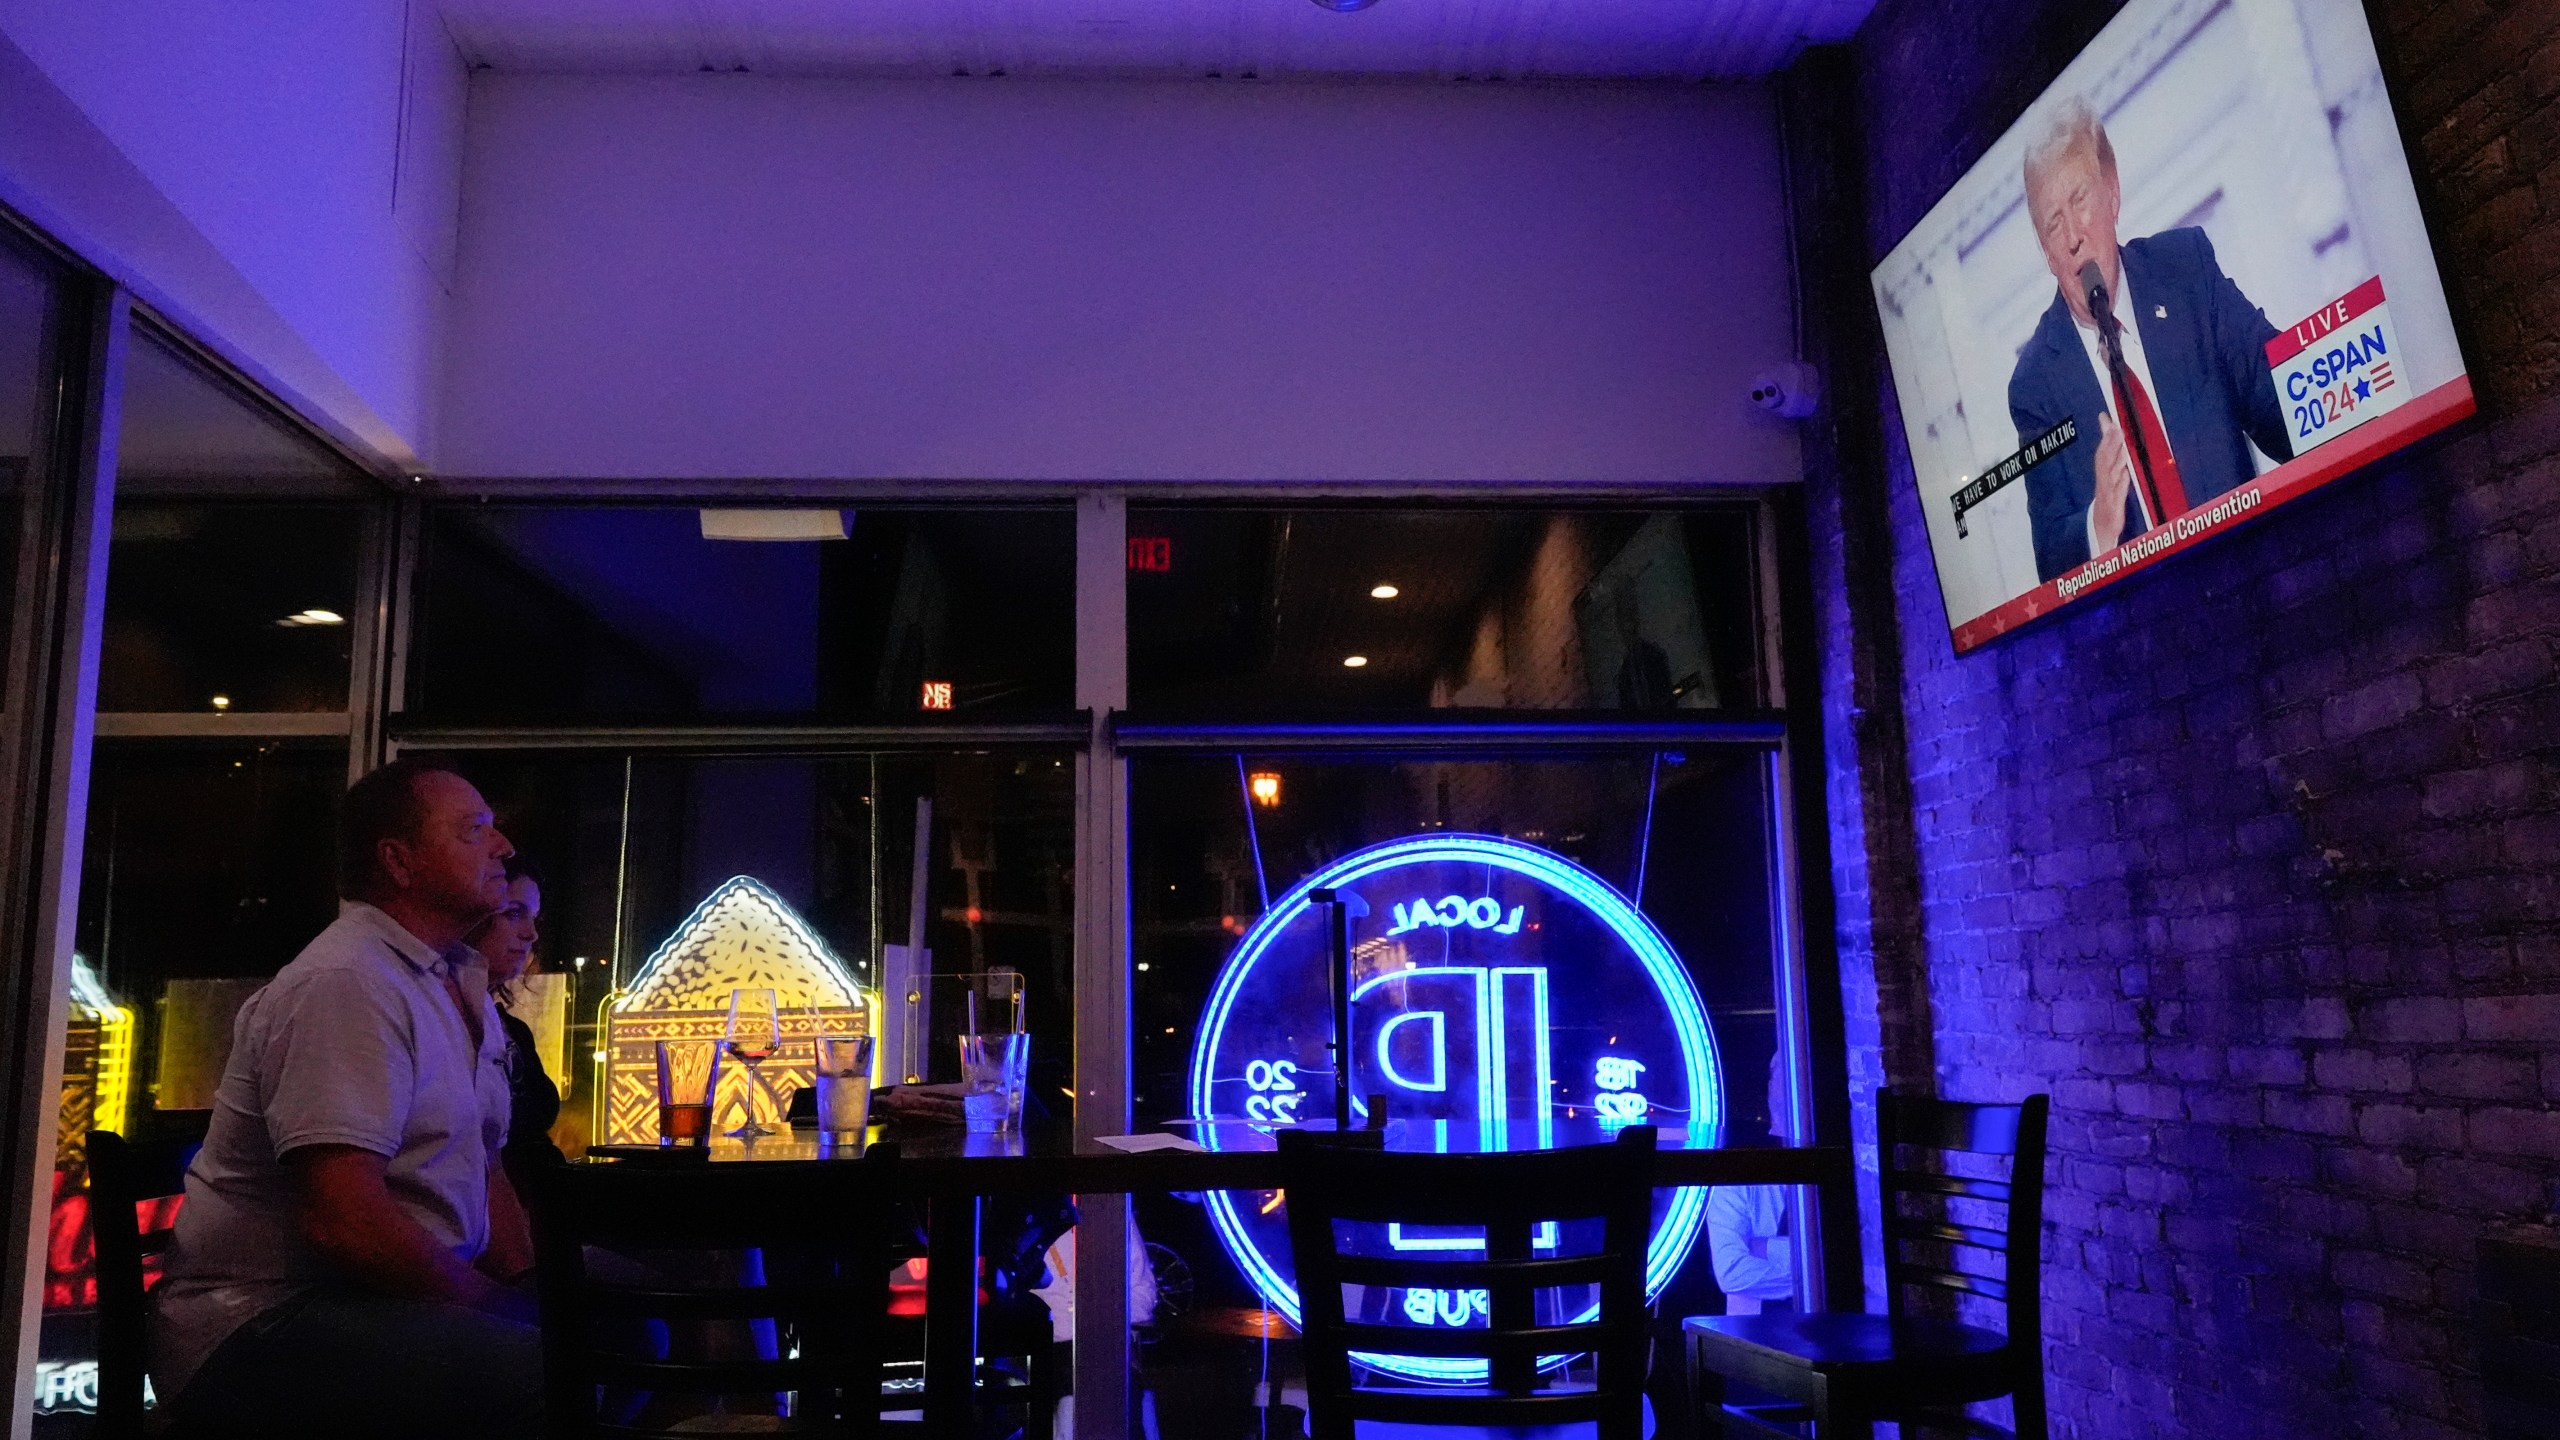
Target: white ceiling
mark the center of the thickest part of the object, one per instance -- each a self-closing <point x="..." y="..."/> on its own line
<point x="1234" y="39"/>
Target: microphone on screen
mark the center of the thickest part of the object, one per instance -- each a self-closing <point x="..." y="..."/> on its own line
<point x="2093" y="284"/>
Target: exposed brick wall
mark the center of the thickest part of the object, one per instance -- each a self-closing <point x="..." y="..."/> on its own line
<point x="2252" y="861"/>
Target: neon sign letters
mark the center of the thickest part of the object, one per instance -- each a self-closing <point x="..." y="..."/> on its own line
<point x="1501" y="997"/>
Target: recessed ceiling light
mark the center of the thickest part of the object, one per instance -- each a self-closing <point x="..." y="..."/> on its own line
<point x="1354" y="662"/>
<point x="221" y="702"/>
<point x="315" y="616"/>
<point x="1383" y="592"/>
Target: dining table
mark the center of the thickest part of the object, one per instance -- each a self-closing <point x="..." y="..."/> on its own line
<point x="950" y="1172"/>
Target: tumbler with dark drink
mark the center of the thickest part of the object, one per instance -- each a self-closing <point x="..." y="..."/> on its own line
<point x="688" y="1082"/>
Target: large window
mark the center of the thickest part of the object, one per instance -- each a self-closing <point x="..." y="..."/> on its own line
<point x="1239" y="611"/>
<point x="27" y="323"/>
<point x="836" y="748"/>
<point x="227" y="678"/>
<point x="668" y="879"/>
<point x="551" y="614"/>
<point x="1527" y="753"/>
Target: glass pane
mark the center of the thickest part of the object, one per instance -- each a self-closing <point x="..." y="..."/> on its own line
<point x="204" y="870"/>
<point x="230" y="605"/>
<point x="190" y="432"/>
<point x="238" y="607"/>
<point x="1550" y="949"/>
<point x="558" y="613"/>
<point x="669" y="880"/>
<point x="1251" y="612"/>
<point x="27" y="299"/>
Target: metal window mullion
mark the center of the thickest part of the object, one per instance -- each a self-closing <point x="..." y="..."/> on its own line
<point x="369" y="649"/>
<point x="53" y="681"/>
<point x="1102" y="1051"/>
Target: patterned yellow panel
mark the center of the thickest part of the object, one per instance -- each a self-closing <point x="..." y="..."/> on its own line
<point x="97" y="1067"/>
<point x="741" y="936"/>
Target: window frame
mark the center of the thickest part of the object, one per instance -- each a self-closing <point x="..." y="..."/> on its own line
<point x="54" y="655"/>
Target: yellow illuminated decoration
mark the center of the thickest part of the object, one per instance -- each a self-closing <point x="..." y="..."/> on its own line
<point x="741" y="935"/>
<point x="97" y="1066"/>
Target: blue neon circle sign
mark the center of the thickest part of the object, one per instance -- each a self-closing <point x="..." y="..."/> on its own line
<point x="1503" y="998"/>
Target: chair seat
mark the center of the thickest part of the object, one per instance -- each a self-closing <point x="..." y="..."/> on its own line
<point x="1833" y="1341"/>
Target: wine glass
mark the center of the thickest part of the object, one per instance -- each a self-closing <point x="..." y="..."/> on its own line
<point x="754" y="1033"/>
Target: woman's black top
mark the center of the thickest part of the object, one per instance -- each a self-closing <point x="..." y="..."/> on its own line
<point x="535" y="1104"/>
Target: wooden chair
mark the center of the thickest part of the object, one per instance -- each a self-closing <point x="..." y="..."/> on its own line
<point x="2519" y="1326"/>
<point x="1509" y="1196"/>
<point x="1842" y="1373"/>
<point x="825" y="1229"/>
<point x="124" y="1175"/>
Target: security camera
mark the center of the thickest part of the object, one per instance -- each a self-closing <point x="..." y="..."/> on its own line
<point x="1789" y="390"/>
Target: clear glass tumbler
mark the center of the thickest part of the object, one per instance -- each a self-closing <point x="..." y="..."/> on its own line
<point x="843" y="1078"/>
<point x="991" y="1071"/>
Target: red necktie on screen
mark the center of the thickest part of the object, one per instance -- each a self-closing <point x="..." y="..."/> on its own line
<point x="2165" y="497"/>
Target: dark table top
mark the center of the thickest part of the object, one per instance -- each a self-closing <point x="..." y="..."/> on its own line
<point x="941" y="1160"/>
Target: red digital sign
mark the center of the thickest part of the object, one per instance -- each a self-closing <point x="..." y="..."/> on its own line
<point x="1151" y="553"/>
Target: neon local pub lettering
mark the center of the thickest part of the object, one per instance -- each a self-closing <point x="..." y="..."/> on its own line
<point x="1500" y="996"/>
<point x="1455" y="910"/>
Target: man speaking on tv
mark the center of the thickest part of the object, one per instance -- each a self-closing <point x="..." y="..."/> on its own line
<point x="2171" y="399"/>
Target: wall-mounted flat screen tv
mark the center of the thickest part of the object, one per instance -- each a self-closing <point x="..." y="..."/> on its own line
<point x="2189" y="285"/>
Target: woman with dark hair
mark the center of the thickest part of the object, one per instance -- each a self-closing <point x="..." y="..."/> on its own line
<point x="505" y="940"/>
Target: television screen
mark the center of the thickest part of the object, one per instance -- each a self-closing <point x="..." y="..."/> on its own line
<point x="2191" y="284"/>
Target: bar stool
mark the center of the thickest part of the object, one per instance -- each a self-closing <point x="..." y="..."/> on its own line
<point x="124" y="1176"/>
<point x="1842" y="1373"/>
<point x="833" y="1223"/>
<point x="1508" y="1196"/>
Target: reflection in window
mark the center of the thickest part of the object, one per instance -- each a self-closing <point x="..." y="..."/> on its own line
<point x="1496" y="999"/>
<point x="631" y="850"/>
<point x="239" y="603"/>
<point x="229" y="607"/>
<point x="26" y="321"/>
<point x="561" y="613"/>
<point x="187" y="431"/>
<point x="204" y="869"/>
<point x="1233" y="611"/>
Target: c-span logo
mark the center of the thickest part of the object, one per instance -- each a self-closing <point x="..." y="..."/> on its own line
<point x="2339" y="367"/>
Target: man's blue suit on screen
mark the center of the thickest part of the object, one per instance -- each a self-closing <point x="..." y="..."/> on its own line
<point x="2206" y="346"/>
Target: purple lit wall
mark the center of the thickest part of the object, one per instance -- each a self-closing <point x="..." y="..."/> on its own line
<point x="729" y="276"/>
<point x="2250" y="863"/>
<point x="282" y="178"/>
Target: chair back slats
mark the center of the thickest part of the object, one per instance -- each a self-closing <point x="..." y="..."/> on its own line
<point x="1924" y="1251"/>
<point x="1502" y="1412"/>
<point x="1473" y="1274"/>
<point x="1973" y="1235"/>
<point x="795" y="1303"/>
<point x="1531" y="1341"/>
<point x="1967" y="1187"/>
<point x="1510" y="1199"/>
<point x="1960" y="1125"/>
<point x="1915" y="1273"/>
<point x="620" y="1244"/>
<point x="123" y="1176"/>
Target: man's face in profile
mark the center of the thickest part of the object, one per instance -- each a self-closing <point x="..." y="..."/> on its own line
<point x="2074" y="204"/>
<point x="456" y="862"/>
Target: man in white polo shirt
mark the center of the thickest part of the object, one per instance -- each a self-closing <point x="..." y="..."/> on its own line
<point x="349" y="1255"/>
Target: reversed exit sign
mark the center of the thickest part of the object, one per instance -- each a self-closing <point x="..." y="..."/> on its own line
<point x="937" y="695"/>
<point x="1151" y="553"/>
